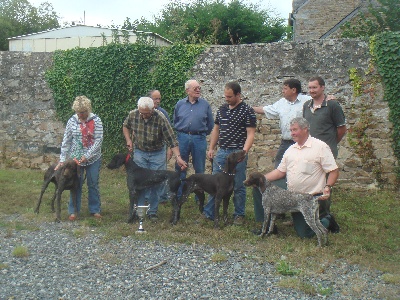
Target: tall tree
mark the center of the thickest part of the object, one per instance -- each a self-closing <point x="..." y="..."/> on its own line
<point x="18" y="17"/>
<point x="213" y="21"/>
<point x="383" y="16"/>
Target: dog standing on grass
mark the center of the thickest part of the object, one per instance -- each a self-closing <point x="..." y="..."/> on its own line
<point x="276" y="200"/>
<point x="66" y="177"/>
<point x="138" y="179"/>
<point x="220" y="185"/>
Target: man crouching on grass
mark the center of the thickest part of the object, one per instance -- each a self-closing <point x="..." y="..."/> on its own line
<point x="305" y="164"/>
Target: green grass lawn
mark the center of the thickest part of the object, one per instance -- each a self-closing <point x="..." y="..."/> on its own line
<point x="369" y="223"/>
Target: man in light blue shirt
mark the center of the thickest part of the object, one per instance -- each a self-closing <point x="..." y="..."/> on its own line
<point x="193" y="121"/>
<point x="285" y="109"/>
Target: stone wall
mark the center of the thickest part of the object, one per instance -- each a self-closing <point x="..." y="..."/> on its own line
<point x="262" y="68"/>
<point x="30" y="134"/>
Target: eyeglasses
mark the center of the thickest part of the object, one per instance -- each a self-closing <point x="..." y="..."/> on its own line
<point x="197" y="88"/>
<point x="146" y="114"/>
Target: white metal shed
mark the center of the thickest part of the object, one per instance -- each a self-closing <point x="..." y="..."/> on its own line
<point x="81" y="36"/>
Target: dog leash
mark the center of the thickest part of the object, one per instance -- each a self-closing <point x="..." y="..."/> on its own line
<point x="222" y="170"/>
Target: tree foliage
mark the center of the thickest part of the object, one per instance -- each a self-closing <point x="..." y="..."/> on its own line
<point x="214" y="22"/>
<point x="382" y="17"/>
<point x="18" y="17"/>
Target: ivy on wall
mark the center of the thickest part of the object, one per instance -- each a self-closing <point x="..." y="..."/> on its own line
<point x="385" y="52"/>
<point x="387" y="55"/>
<point x="115" y="76"/>
<point x="364" y="88"/>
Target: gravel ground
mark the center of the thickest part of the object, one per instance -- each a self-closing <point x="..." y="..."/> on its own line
<point x="61" y="265"/>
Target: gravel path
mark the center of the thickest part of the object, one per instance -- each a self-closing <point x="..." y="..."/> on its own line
<point x="61" y="265"/>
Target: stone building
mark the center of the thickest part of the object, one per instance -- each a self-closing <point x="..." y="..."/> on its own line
<point x="322" y="19"/>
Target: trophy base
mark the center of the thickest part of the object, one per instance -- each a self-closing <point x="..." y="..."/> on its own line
<point x="140" y="231"/>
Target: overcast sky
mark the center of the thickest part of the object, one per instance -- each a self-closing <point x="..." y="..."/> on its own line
<point x="114" y="12"/>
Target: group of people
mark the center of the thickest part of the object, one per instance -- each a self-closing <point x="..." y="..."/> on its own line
<point x="311" y="126"/>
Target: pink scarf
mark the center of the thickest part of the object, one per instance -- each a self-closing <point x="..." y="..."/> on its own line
<point x="87" y="130"/>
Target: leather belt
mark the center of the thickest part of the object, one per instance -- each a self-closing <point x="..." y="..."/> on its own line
<point x="193" y="132"/>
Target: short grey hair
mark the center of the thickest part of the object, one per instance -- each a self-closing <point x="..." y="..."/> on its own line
<point x="145" y="102"/>
<point x="189" y="83"/>
<point x="303" y="123"/>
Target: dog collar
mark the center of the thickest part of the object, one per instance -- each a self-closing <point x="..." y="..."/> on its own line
<point x="219" y="166"/>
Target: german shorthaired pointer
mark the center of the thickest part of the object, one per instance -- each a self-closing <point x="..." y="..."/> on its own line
<point x="139" y="178"/>
<point x="66" y="177"/>
<point x="219" y="185"/>
<point x="276" y="201"/>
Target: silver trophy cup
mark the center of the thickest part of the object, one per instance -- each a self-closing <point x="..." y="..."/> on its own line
<point x="141" y="212"/>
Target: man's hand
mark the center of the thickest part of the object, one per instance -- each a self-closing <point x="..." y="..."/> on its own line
<point x="129" y="145"/>
<point x="181" y="162"/>
<point x="82" y="160"/>
<point x="326" y="193"/>
<point x="210" y="154"/>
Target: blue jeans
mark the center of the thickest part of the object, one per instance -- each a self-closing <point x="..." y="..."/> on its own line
<point x="239" y="192"/>
<point x="154" y="160"/>
<point x="164" y="190"/>
<point x="92" y="180"/>
<point x="195" y="145"/>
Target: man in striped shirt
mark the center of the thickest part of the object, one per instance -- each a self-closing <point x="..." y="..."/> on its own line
<point x="234" y="129"/>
